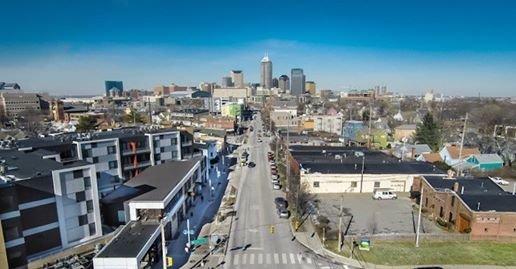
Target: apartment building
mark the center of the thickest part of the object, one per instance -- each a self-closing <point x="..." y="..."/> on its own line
<point x="328" y="123"/>
<point x="45" y="206"/>
<point x="118" y="155"/>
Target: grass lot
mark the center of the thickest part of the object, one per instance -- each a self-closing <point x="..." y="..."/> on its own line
<point x="450" y="252"/>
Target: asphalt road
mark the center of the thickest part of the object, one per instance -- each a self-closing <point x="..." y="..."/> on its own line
<point x="251" y="243"/>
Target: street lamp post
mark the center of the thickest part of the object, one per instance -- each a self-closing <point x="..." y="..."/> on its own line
<point x="362" y="173"/>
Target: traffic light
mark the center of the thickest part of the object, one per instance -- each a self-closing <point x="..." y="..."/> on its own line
<point x="170" y="261"/>
<point x="272" y="229"/>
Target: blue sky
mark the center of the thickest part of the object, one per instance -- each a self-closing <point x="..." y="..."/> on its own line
<point x="70" y="47"/>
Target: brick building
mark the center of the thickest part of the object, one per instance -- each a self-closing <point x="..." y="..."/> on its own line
<point x="469" y="205"/>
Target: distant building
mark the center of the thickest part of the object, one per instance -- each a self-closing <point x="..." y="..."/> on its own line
<point x="405" y="131"/>
<point x="266" y="72"/>
<point x="351" y="129"/>
<point x="328" y="123"/>
<point x="284" y="83"/>
<point x="162" y="90"/>
<point x="110" y="84"/>
<point x="9" y="86"/>
<point x="362" y="95"/>
<point x="57" y="110"/>
<point x="15" y="103"/>
<point x="206" y="86"/>
<point x="237" y="77"/>
<point x="310" y="87"/>
<point x="275" y="83"/>
<point x="297" y="86"/>
<point x="226" y="82"/>
<point x="452" y="154"/>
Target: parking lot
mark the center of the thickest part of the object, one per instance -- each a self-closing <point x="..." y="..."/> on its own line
<point x="370" y="216"/>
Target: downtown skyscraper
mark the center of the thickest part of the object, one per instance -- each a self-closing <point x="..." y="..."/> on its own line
<point x="297" y="83"/>
<point x="266" y="72"/>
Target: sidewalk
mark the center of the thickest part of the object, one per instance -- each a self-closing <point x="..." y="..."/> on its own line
<point x="211" y="256"/>
<point x="202" y="212"/>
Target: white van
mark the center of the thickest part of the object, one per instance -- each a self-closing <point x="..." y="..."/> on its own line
<point x="384" y="194"/>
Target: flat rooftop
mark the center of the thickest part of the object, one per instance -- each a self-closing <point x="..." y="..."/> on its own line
<point x="27" y="165"/>
<point x="480" y="194"/>
<point x="130" y="241"/>
<point x="161" y="179"/>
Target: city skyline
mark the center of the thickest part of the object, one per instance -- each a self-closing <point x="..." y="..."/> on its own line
<point x="346" y="45"/>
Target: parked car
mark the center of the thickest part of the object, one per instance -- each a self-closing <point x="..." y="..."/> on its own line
<point x="283" y="213"/>
<point x="251" y="164"/>
<point x="275" y="181"/>
<point x="280" y="202"/>
<point x="384" y="194"/>
<point x="499" y="181"/>
<point x="276" y="186"/>
<point x="275" y="177"/>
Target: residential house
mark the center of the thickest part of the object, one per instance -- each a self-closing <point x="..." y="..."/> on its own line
<point x="485" y="162"/>
<point x="452" y="154"/>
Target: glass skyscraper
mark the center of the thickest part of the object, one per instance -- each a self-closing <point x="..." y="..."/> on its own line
<point x="297" y="82"/>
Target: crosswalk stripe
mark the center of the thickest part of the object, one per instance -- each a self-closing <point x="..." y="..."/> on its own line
<point x="235" y="259"/>
<point x="244" y="258"/>
<point x="251" y="258"/>
<point x="276" y="258"/>
<point x="260" y="258"/>
<point x="284" y="258"/>
<point x="300" y="258"/>
<point x="292" y="258"/>
<point x="308" y="260"/>
<point x="268" y="258"/>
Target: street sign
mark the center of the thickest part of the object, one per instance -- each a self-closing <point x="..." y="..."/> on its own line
<point x="170" y="261"/>
<point x="185" y="232"/>
<point x="200" y="241"/>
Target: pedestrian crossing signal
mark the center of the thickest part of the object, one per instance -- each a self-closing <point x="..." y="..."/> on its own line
<point x="272" y="229"/>
<point x="170" y="261"/>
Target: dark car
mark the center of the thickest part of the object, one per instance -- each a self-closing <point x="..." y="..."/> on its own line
<point x="280" y="202"/>
<point x="283" y="213"/>
<point x="251" y="164"/>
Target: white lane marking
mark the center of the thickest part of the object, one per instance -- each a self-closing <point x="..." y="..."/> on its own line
<point x="284" y="258"/>
<point x="235" y="259"/>
<point x="292" y="258"/>
<point x="325" y="267"/>
<point x="308" y="260"/>
<point x="244" y="258"/>
<point x="251" y="258"/>
<point x="260" y="258"/>
<point x="268" y="258"/>
<point x="276" y="258"/>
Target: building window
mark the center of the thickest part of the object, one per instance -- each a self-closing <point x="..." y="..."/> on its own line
<point x="452" y="200"/>
<point x="87" y="183"/>
<point x="441" y="212"/>
<point x="77" y="174"/>
<point x="174" y="141"/>
<point x="157" y="157"/>
<point x="316" y="184"/>
<point x="89" y="206"/>
<point x="485" y="230"/>
<point x="114" y="179"/>
<point x="86" y="153"/>
<point x="113" y="164"/>
<point x="92" y="229"/>
<point x="111" y="150"/>
<point x="174" y="154"/>
<point x="162" y="149"/>
<point x="377" y="184"/>
<point x="354" y="184"/>
<point x="83" y="220"/>
<point x="80" y="196"/>
<point x="95" y="159"/>
<point x="93" y="145"/>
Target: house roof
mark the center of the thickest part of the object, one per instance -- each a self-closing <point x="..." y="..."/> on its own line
<point x="488" y="158"/>
<point x="411" y="168"/>
<point x="454" y="151"/>
<point x="481" y="185"/>
<point x="406" y="127"/>
<point x="432" y="157"/>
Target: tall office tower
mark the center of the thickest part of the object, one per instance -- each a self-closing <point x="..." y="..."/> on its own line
<point x="118" y="85"/>
<point x="275" y="83"/>
<point x="226" y="82"/>
<point x="297" y="86"/>
<point x="266" y="72"/>
<point x="284" y="83"/>
<point x="206" y="86"/>
<point x="310" y="87"/>
<point x="237" y="76"/>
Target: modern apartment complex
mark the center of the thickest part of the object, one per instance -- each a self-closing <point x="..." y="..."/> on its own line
<point x="45" y="205"/>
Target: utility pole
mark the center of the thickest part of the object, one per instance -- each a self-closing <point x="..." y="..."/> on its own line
<point x="340" y="224"/>
<point x="370" y="122"/>
<point x="462" y="143"/>
<point x="362" y="172"/>
<point x="419" y="215"/>
<point x="163" y="246"/>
